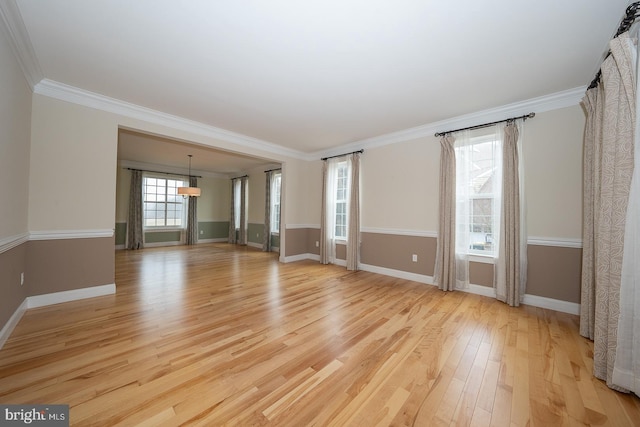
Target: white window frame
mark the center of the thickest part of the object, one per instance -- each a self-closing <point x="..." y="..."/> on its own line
<point x="276" y="194"/>
<point x="237" y="196"/>
<point x="477" y="255"/>
<point x="180" y="182"/>
<point x="342" y="166"/>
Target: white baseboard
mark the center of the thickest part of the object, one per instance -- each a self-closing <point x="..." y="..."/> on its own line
<point x="12" y="323"/>
<point x="487" y="291"/>
<point x="422" y="278"/>
<point x="50" y="299"/>
<point x="73" y="295"/>
<point x="216" y="240"/>
<point x="299" y="257"/>
<point x="254" y="245"/>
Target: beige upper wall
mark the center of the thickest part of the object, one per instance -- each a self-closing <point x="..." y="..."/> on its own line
<point x="76" y="147"/>
<point x="15" y="136"/>
<point x="399" y="182"/>
<point x="553" y="173"/>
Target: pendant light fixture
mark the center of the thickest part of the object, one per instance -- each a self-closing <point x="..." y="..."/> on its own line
<point x="189" y="191"/>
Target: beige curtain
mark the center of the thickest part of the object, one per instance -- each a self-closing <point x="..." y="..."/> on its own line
<point x="608" y="167"/>
<point x="353" y="223"/>
<point x="511" y="266"/>
<point x="445" y="272"/>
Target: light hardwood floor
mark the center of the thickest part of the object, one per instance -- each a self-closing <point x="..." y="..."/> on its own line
<point x="214" y="335"/>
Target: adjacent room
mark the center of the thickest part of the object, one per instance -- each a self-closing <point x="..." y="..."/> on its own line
<point x="320" y="213"/>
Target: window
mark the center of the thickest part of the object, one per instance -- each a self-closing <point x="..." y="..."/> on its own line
<point x="478" y="183"/>
<point x="340" y="231"/>
<point x="162" y="205"/>
<point x="237" y="196"/>
<point x="275" y="202"/>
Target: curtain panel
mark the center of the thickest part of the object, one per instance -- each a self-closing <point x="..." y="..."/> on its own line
<point x="608" y="169"/>
<point x="135" y="232"/>
<point x="328" y="214"/>
<point x="444" y="271"/>
<point x="242" y="235"/>
<point x="192" y="215"/>
<point x="266" y="235"/>
<point x="510" y="268"/>
<point x="353" y="209"/>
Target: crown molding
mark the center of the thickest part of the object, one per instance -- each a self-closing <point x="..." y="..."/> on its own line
<point x="78" y="96"/>
<point x="554" y="101"/>
<point x="21" y="43"/>
<point x="85" y="98"/>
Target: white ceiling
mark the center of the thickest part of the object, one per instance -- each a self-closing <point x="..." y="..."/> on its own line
<point x="318" y="74"/>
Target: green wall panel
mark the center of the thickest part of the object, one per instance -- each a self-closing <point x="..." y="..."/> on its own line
<point x="121" y="233"/>
<point x="213" y="229"/>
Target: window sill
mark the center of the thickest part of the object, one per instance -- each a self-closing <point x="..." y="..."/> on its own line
<point x="161" y="229"/>
<point x="482" y="259"/>
<point x="340" y="241"/>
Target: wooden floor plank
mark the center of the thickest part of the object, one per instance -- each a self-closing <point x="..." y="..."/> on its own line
<point x="218" y="334"/>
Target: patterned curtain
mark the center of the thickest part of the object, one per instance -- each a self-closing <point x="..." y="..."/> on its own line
<point x="135" y="232"/>
<point x="232" y="213"/>
<point x="266" y="235"/>
<point x="445" y="267"/>
<point x="608" y="168"/>
<point x="192" y="215"/>
<point x="353" y="222"/>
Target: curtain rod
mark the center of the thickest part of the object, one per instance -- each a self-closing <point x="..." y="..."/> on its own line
<point x="271" y="170"/>
<point x="166" y="173"/>
<point x="238" y="177"/>
<point x="340" y="155"/>
<point x="525" y="117"/>
<point x="631" y="14"/>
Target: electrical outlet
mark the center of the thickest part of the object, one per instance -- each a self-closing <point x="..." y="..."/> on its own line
<point x="201" y="231"/>
<point x="414" y="258"/>
<point x="21" y="278"/>
<point x="317" y="244"/>
<point x="257" y="234"/>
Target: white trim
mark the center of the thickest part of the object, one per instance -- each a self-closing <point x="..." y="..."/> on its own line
<point x="487" y="291"/>
<point x="72" y="295"/>
<point x="399" y="232"/>
<point x="161" y="244"/>
<point x="300" y="257"/>
<point x="78" y="96"/>
<point x="216" y="240"/>
<point x="21" y="46"/>
<point x="120" y="247"/>
<point x="421" y="278"/>
<point x="9" y="243"/>
<point x="83" y="97"/>
<point x="553" y="241"/>
<point x="70" y="234"/>
<point x="8" y="328"/>
<point x="297" y="226"/>
<point x="552" y="304"/>
<point x="482" y="259"/>
<point x="554" y="101"/>
<point x="254" y="245"/>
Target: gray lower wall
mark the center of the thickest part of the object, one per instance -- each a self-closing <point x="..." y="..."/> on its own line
<point x="553" y="272"/>
<point x="206" y="230"/>
<point x="12" y="294"/>
<point x="68" y="264"/>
